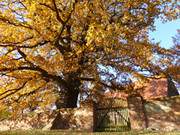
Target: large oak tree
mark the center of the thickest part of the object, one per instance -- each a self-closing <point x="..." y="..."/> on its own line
<point x="68" y="47"/>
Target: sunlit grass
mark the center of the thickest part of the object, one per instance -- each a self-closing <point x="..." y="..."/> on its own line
<point x="62" y="132"/>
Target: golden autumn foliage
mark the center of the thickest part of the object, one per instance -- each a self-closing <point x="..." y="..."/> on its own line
<point x="52" y="50"/>
<point x="173" y="66"/>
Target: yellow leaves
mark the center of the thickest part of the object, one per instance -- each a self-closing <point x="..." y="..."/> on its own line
<point x="47" y="57"/>
<point x="14" y="34"/>
<point x="24" y="74"/>
<point x="78" y="49"/>
<point x="31" y="6"/>
<point x="32" y="85"/>
<point x="90" y="34"/>
<point x="48" y="97"/>
<point x="106" y="32"/>
<point x="95" y="33"/>
<point x="41" y="19"/>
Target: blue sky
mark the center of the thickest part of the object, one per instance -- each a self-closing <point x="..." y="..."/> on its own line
<point x="164" y="32"/>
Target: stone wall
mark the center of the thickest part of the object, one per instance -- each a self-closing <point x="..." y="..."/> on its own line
<point x="156" y="114"/>
<point x="74" y="119"/>
<point x="32" y="121"/>
<point x="163" y="113"/>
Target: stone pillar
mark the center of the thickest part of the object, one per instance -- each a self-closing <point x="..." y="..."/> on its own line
<point x="90" y="119"/>
<point x="136" y="113"/>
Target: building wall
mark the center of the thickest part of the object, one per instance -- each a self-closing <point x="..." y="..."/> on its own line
<point x="155" y="88"/>
<point x="158" y="114"/>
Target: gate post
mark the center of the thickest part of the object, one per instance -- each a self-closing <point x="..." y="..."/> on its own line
<point x="136" y="112"/>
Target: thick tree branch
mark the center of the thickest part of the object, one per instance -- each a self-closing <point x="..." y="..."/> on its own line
<point x="113" y="87"/>
<point x="15" y="45"/>
<point x="17" y="24"/>
<point x="19" y="42"/>
<point x="57" y="13"/>
<point x="61" y="48"/>
<point x="30" y="93"/>
<point x="48" y="6"/>
<point x="12" y="91"/>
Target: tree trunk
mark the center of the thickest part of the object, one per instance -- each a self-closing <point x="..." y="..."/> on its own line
<point x="72" y="98"/>
<point x="71" y="92"/>
<point x="69" y="101"/>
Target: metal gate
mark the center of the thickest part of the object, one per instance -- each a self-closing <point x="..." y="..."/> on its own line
<point x="114" y="118"/>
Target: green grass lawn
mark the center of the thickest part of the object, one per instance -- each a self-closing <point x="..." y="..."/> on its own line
<point x="60" y="132"/>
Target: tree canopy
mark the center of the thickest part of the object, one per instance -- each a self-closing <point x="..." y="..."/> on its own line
<point x="52" y="50"/>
